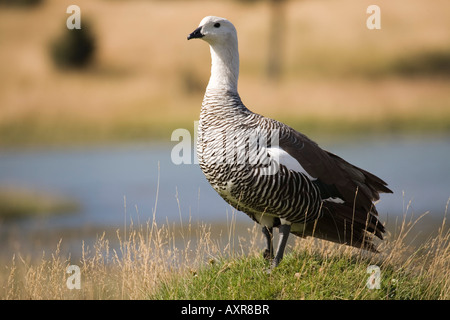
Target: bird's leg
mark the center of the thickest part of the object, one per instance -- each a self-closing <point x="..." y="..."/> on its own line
<point x="268" y="235"/>
<point x="284" y="235"/>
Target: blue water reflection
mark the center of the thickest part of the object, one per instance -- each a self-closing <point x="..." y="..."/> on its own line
<point x="101" y="178"/>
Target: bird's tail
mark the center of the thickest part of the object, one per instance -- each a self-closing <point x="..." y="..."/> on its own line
<point x="341" y="224"/>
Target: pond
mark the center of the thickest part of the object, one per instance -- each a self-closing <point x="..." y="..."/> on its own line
<point x="117" y="184"/>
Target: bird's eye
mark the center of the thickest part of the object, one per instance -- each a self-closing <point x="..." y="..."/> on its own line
<point x="217" y="25"/>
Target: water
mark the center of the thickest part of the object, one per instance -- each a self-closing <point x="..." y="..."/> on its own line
<point x="117" y="184"/>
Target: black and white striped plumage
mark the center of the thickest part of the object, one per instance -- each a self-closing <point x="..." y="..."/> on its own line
<point x="274" y="174"/>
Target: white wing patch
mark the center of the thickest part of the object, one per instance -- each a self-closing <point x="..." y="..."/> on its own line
<point x="335" y="200"/>
<point x="284" y="158"/>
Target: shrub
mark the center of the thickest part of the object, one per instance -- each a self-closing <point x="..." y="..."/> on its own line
<point x="74" y="48"/>
<point x="21" y="3"/>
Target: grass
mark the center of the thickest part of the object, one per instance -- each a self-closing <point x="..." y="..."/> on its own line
<point x="22" y="203"/>
<point x="154" y="261"/>
<point x="303" y="275"/>
<point x="425" y="63"/>
<point x="316" y="271"/>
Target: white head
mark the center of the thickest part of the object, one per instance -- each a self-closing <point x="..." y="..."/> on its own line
<point x="215" y="29"/>
<point x="222" y="38"/>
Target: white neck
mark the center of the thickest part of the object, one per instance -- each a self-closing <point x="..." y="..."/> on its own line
<point x="224" y="66"/>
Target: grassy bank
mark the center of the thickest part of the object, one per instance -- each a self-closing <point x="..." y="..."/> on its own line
<point x="168" y="262"/>
<point x="304" y="274"/>
<point x="317" y="270"/>
<point x="16" y="203"/>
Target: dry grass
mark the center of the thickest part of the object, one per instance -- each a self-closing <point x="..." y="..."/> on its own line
<point x="163" y="261"/>
<point x="131" y="266"/>
<point x="148" y="80"/>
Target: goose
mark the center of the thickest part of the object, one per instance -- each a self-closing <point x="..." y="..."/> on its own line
<point x="273" y="173"/>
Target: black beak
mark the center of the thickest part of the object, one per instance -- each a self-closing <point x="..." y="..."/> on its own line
<point x="197" y="34"/>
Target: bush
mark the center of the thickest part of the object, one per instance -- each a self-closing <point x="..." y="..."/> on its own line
<point x="75" y="48"/>
<point x="20" y="3"/>
<point x="432" y="63"/>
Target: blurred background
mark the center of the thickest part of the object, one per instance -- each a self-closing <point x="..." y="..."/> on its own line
<point x="86" y="115"/>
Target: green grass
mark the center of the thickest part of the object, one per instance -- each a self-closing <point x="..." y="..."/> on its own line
<point x="301" y="275"/>
<point x="34" y="133"/>
<point x="342" y="127"/>
<point x="20" y="204"/>
<point x="317" y="270"/>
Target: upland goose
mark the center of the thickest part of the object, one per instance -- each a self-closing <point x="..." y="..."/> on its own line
<point x="274" y="174"/>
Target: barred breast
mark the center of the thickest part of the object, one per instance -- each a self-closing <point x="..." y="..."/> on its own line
<point x="233" y="149"/>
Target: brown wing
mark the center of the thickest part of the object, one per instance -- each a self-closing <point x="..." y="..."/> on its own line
<point x="354" y="184"/>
